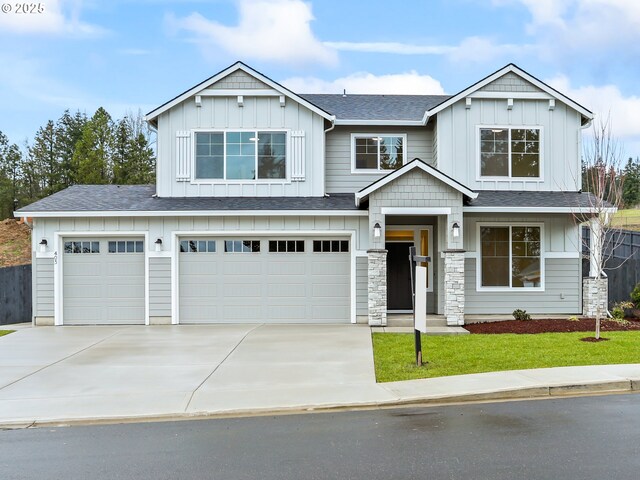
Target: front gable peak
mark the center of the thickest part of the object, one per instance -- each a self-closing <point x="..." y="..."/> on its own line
<point x="240" y="78"/>
<point x="415" y="164"/>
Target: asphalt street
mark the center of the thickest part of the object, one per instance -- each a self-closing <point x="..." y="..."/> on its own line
<point x="569" y="438"/>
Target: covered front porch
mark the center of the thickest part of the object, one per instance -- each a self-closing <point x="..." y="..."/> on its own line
<point x="417" y="206"/>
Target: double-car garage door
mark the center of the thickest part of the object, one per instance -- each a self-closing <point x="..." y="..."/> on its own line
<point x="253" y="280"/>
<point x="220" y="280"/>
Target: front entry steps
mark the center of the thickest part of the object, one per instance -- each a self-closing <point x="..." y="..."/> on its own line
<point x="403" y="323"/>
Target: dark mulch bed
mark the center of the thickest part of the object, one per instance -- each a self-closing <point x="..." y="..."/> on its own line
<point x="551" y="325"/>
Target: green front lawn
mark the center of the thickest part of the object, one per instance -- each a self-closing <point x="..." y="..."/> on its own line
<point x="462" y="354"/>
<point x="6" y="332"/>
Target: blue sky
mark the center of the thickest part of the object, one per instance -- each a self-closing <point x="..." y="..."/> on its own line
<point x="130" y="55"/>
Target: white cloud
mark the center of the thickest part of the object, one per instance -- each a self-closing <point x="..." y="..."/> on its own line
<point x="565" y="26"/>
<point x="391" y="47"/>
<point x="271" y="30"/>
<point x="604" y="101"/>
<point x="363" y="82"/>
<point x="59" y="17"/>
<point x="470" y="49"/>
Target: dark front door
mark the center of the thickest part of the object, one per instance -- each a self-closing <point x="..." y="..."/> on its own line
<point x="398" y="276"/>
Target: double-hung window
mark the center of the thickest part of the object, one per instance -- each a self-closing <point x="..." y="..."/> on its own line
<point x="242" y="155"/>
<point x="378" y="152"/>
<point x="510" y="152"/>
<point x="510" y="256"/>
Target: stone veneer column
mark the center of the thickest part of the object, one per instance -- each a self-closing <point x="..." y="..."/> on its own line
<point x="591" y="287"/>
<point x="377" y="287"/>
<point x="454" y="286"/>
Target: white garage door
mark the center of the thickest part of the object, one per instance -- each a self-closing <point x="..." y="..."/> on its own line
<point x="103" y="281"/>
<point x="277" y="280"/>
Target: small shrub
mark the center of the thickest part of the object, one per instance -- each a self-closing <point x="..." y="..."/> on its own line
<point x="635" y="295"/>
<point x="521" y="315"/>
<point x="619" y="309"/>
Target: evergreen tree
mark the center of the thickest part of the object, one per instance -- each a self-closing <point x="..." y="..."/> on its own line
<point x="92" y="158"/>
<point x="133" y="159"/>
<point x="631" y="192"/>
<point x="45" y="159"/>
<point x="69" y="130"/>
<point x="10" y="165"/>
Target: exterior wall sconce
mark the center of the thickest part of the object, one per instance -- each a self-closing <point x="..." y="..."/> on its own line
<point x="43" y="245"/>
<point x="377" y="230"/>
<point x="159" y="245"/>
<point x="455" y="229"/>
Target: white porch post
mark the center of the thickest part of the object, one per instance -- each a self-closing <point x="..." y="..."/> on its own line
<point x="595" y="248"/>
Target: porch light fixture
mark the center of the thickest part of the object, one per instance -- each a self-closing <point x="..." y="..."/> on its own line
<point x="377" y="230"/>
<point x="158" y="245"/>
<point x="455" y="229"/>
<point x="43" y="245"/>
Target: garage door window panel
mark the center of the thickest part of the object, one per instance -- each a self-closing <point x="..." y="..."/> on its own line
<point x="331" y="246"/>
<point x="82" y="247"/>
<point x="286" y="246"/>
<point x="125" y="246"/>
<point x="197" y="246"/>
<point x="242" y="246"/>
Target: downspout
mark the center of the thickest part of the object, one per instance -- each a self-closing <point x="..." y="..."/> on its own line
<point x="332" y="119"/>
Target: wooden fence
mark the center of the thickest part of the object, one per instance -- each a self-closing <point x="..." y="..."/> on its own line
<point x="15" y="294"/>
<point x="622" y="265"/>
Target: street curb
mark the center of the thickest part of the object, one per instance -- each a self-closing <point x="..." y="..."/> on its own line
<point x="525" y="393"/>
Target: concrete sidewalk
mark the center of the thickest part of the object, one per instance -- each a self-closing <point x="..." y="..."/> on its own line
<point x="53" y="375"/>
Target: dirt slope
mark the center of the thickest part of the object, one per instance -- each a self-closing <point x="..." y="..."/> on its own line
<point x="15" y="243"/>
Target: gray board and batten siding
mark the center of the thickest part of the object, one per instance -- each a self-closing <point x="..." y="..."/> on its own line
<point x="176" y="128"/>
<point x="458" y="142"/>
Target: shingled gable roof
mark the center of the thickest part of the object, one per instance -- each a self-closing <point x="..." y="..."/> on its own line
<point x="510" y="68"/>
<point x="416" y="163"/>
<point x="153" y="114"/>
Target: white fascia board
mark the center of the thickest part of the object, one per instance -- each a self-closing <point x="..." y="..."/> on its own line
<point x="516" y="95"/>
<point x="249" y="71"/>
<point x="226" y="92"/>
<point x="534" y="210"/>
<point x="200" y="213"/>
<point x="415" y="211"/>
<point x="402" y="123"/>
<point x="513" y="69"/>
<point x="407" y="168"/>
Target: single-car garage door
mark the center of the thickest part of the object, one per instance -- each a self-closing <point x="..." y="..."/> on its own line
<point x="103" y="281"/>
<point x="252" y="280"/>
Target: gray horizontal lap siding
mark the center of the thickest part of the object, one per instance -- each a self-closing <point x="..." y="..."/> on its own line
<point x="159" y="287"/>
<point x="562" y="277"/>
<point x="339" y="178"/>
<point x="362" y="306"/>
<point x="43" y="282"/>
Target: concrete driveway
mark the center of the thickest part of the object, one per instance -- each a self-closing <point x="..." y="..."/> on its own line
<point x="71" y="373"/>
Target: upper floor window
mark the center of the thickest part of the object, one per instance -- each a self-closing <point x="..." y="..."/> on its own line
<point x="246" y="155"/>
<point x="510" y="152"/>
<point x="378" y="152"/>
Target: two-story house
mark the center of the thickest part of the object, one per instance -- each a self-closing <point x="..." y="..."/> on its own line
<point x="275" y="206"/>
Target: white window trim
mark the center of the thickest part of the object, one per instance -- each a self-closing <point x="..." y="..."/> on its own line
<point x="217" y="181"/>
<point x="378" y="170"/>
<point x="509" y="178"/>
<point x="479" y="287"/>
